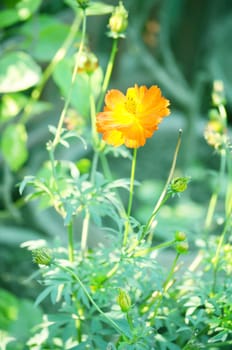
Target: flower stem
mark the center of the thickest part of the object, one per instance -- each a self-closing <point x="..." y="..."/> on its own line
<point x="130" y="321"/>
<point x="171" y="273"/>
<point x="132" y="179"/>
<point x="146" y="251"/>
<point x="108" y="73"/>
<point x="85" y="230"/>
<point x="166" y="286"/>
<point x="93" y="118"/>
<point x="217" y="254"/>
<point x="70" y="243"/>
<point x="76" y="277"/>
<point x="86" y="221"/>
<point x="217" y="189"/>
<point x="164" y="195"/>
<point x="105" y="167"/>
<point x="68" y="99"/>
<point x="60" y="54"/>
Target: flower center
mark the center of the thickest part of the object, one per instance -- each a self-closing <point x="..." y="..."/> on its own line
<point x="130" y="105"/>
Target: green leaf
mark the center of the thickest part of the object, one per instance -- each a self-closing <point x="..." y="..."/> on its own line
<point x="220" y="337"/>
<point x="8" y="308"/>
<point x="25" y="322"/>
<point x="81" y="88"/>
<point x="39" y="107"/>
<point x="13" y="236"/>
<point x="43" y="295"/>
<point x="50" y="35"/>
<point x="8" y="17"/>
<point x="13" y="146"/>
<point x="11" y="105"/>
<point x="27" y="180"/>
<point x="22" y="11"/>
<point x="18" y="71"/>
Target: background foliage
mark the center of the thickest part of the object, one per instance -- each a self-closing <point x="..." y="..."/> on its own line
<point x="182" y="46"/>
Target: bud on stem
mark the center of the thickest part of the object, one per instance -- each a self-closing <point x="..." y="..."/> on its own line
<point x="124" y="300"/>
<point x="42" y="256"/>
<point x="118" y="21"/>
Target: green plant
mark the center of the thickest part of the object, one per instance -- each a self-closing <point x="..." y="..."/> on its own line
<point x="115" y="294"/>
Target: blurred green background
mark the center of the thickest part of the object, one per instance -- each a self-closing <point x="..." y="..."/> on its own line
<point x="180" y="45"/>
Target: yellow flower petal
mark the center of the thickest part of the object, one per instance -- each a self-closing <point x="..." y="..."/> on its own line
<point x="132" y="118"/>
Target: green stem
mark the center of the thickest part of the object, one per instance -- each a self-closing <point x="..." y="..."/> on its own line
<point x="75" y="277"/>
<point x="85" y="230"/>
<point x="211" y="209"/>
<point x="75" y="301"/>
<point x="95" y="137"/>
<point x="166" y="285"/>
<point x="217" y="254"/>
<point x="105" y="167"/>
<point x="108" y="73"/>
<point x="217" y="189"/>
<point x="60" y="54"/>
<point x="132" y="179"/>
<point x="68" y="99"/>
<point x="223" y="114"/>
<point x="112" y="271"/>
<point x="228" y="197"/>
<point x="109" y="177"/>
<point x="153" y="215"/>
<point x="58" y="204"/>
<point x="86" y="221"/>
<point x="171" y="273"/>
<point x="70" y="243"/>
<point x="164" y="195"/>
<point x="146" y="251"/>
<point x="94" y="167"/>
<point x="130" y="321"/>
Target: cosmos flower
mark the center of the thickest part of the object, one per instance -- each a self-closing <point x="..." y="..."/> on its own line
<point x="132" y="118"/>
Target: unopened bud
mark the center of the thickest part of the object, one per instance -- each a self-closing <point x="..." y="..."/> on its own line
<point x="180" y="236"/>
<point x="179" y="184"/>
<point x="42" y="256"/>
<point x="84" y="165"/>
<point x="83" y="4"/>
<point x="218" y="97"/>
<point x="182" y="247"/>
<point x="118" y="21"/>
<point x="124" y="300"/>
<point x="214" y="114"/>
<point x="88" y="62"/>
<point x="215" y="134"/>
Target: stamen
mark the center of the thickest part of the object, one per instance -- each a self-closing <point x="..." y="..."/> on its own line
<point x="130" y="105"/>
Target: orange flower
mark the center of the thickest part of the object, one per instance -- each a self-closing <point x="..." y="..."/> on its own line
<point x="132" y="118"/>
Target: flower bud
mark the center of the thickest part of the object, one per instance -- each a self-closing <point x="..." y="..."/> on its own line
<point x="74" y="121"/>
<point x="118" y="21"/>
<point x="182" y="247"/>
<point x="84" y="165"/>
<point x="83" y="4"/>
<point x="214" y="134"/>
<point x="218" y="97"/>
<point x="42" y="256"/>
<point x="88" y="62"/>
<point x="180" y="236"/>
<point x="124" y="300"/>
<point x="179" y="184"/>
<point x="214" y="114"/>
